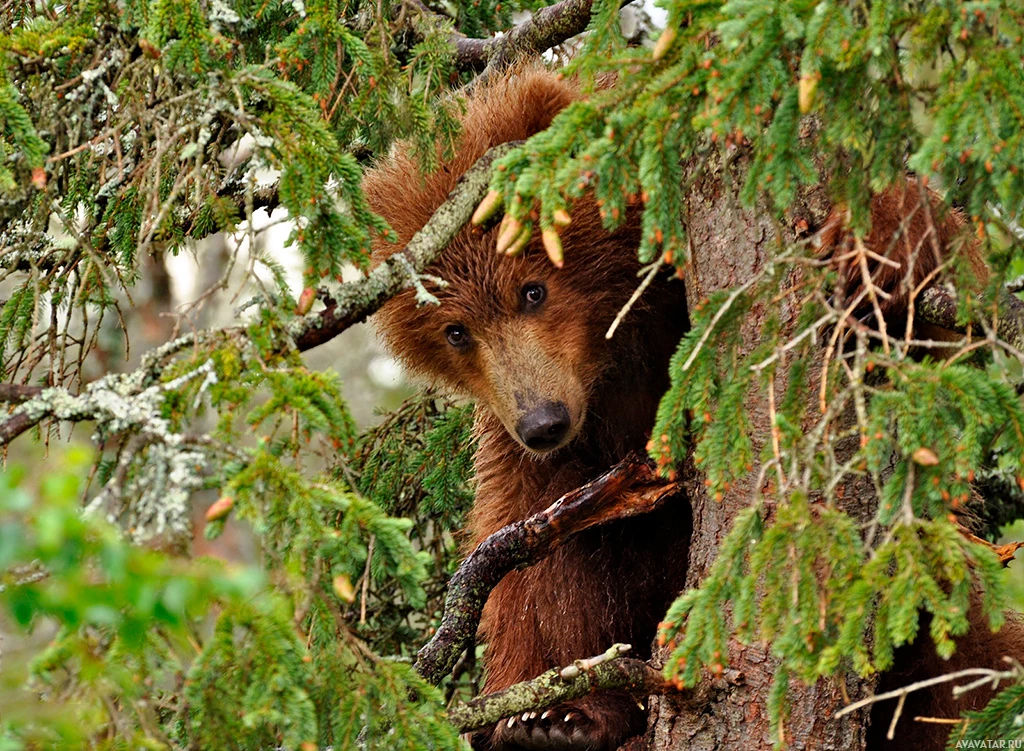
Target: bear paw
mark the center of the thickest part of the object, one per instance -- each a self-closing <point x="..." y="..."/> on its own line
<point x="557" y="729"/>
<point x="594" y="725"/>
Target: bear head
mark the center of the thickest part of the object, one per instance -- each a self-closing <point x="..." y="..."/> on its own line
<point x="518" y="335"/>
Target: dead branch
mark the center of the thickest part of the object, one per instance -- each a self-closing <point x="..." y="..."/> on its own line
<point x="559" y="685"/>
<point x="982" y="677"/>
<point x="630" y="488"/>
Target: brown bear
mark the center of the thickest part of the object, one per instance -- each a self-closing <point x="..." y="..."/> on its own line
<point x="557" y="405"/>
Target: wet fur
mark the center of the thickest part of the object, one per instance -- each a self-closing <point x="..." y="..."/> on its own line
<point x="614" y="583"/>
<point x="607" y="585"/>
<point x="914" y="228"/>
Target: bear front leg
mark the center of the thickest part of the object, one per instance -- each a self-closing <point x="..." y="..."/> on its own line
<point x="543" y="618"/>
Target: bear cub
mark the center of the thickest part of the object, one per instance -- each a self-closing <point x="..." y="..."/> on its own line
<point x="557" y="406"/>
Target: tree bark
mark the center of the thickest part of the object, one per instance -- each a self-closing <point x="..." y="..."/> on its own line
<point x="731" y="245"/>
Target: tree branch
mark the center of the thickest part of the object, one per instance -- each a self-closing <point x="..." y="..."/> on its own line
<point x="545" y="29"/>
<point x="983" y="676"/>
<point x="351" y="304"/>
<point x="16" y="393"/>
<point x="559" y="685"/>
<point x="357" y="300"/>
<point x="938" y="306"/>
<point x="630" y="488"/>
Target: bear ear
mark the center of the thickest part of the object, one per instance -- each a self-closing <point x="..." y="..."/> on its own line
<point x="513" y="107"/>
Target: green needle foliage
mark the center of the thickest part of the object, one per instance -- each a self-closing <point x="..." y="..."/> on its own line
<point x="780" y="95"/>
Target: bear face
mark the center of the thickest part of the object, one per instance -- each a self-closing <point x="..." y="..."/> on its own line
<point x="517" y="334"/>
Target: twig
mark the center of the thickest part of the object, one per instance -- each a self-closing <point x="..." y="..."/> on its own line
<point x="366" y="580"/>
<point x="989" y="676"/>
<point x="651" y="272"/>
<point x="628" y="489"/>
<point x="722" y="310"/>
<point x="607" y="671"/>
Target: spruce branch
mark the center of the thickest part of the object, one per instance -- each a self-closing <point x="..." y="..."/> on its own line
<point x="606" y="671"/>
<point x="630" y="488"/>
<point x="357" y="300"/>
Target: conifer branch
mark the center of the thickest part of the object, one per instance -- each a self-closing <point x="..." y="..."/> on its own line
<point x="607" y="671"/>
<point x="353" y="303"/>
<point x="357" y="300"/>
<point x="630" y="488"/>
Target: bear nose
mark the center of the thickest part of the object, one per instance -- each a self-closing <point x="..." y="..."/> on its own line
<point x="544" y="427"/>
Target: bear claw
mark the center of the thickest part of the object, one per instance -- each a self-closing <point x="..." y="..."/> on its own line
<point x="551" y="730"/>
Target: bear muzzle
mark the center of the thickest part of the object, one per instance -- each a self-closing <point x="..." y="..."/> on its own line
<point x="544" y="427"/>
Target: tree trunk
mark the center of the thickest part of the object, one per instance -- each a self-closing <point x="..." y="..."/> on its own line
<point x="730" y="245"/>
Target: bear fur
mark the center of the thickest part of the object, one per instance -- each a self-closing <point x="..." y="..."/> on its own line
<point x="549" y="365"/>
<point x="610" y="584"/>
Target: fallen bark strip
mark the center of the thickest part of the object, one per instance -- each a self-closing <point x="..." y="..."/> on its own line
<point x="607" y="671"/>
<point x="630" y="488"/>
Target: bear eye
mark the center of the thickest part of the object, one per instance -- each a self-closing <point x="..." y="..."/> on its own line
<point x="457" y="336"/>
<point x="533" y="294"/>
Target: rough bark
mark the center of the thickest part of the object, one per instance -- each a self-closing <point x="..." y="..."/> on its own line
<point x="731" y="245"/>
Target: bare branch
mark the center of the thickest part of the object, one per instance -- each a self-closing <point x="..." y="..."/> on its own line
<point x="630" y="488"/>
<point x="357" y="300"/>
<point x="607" y="671"/>
<point x="547" y="28"/>
<point x="983" y="676"/>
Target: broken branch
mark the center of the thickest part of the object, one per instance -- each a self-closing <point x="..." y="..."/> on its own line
<point x="630" y="488"/>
